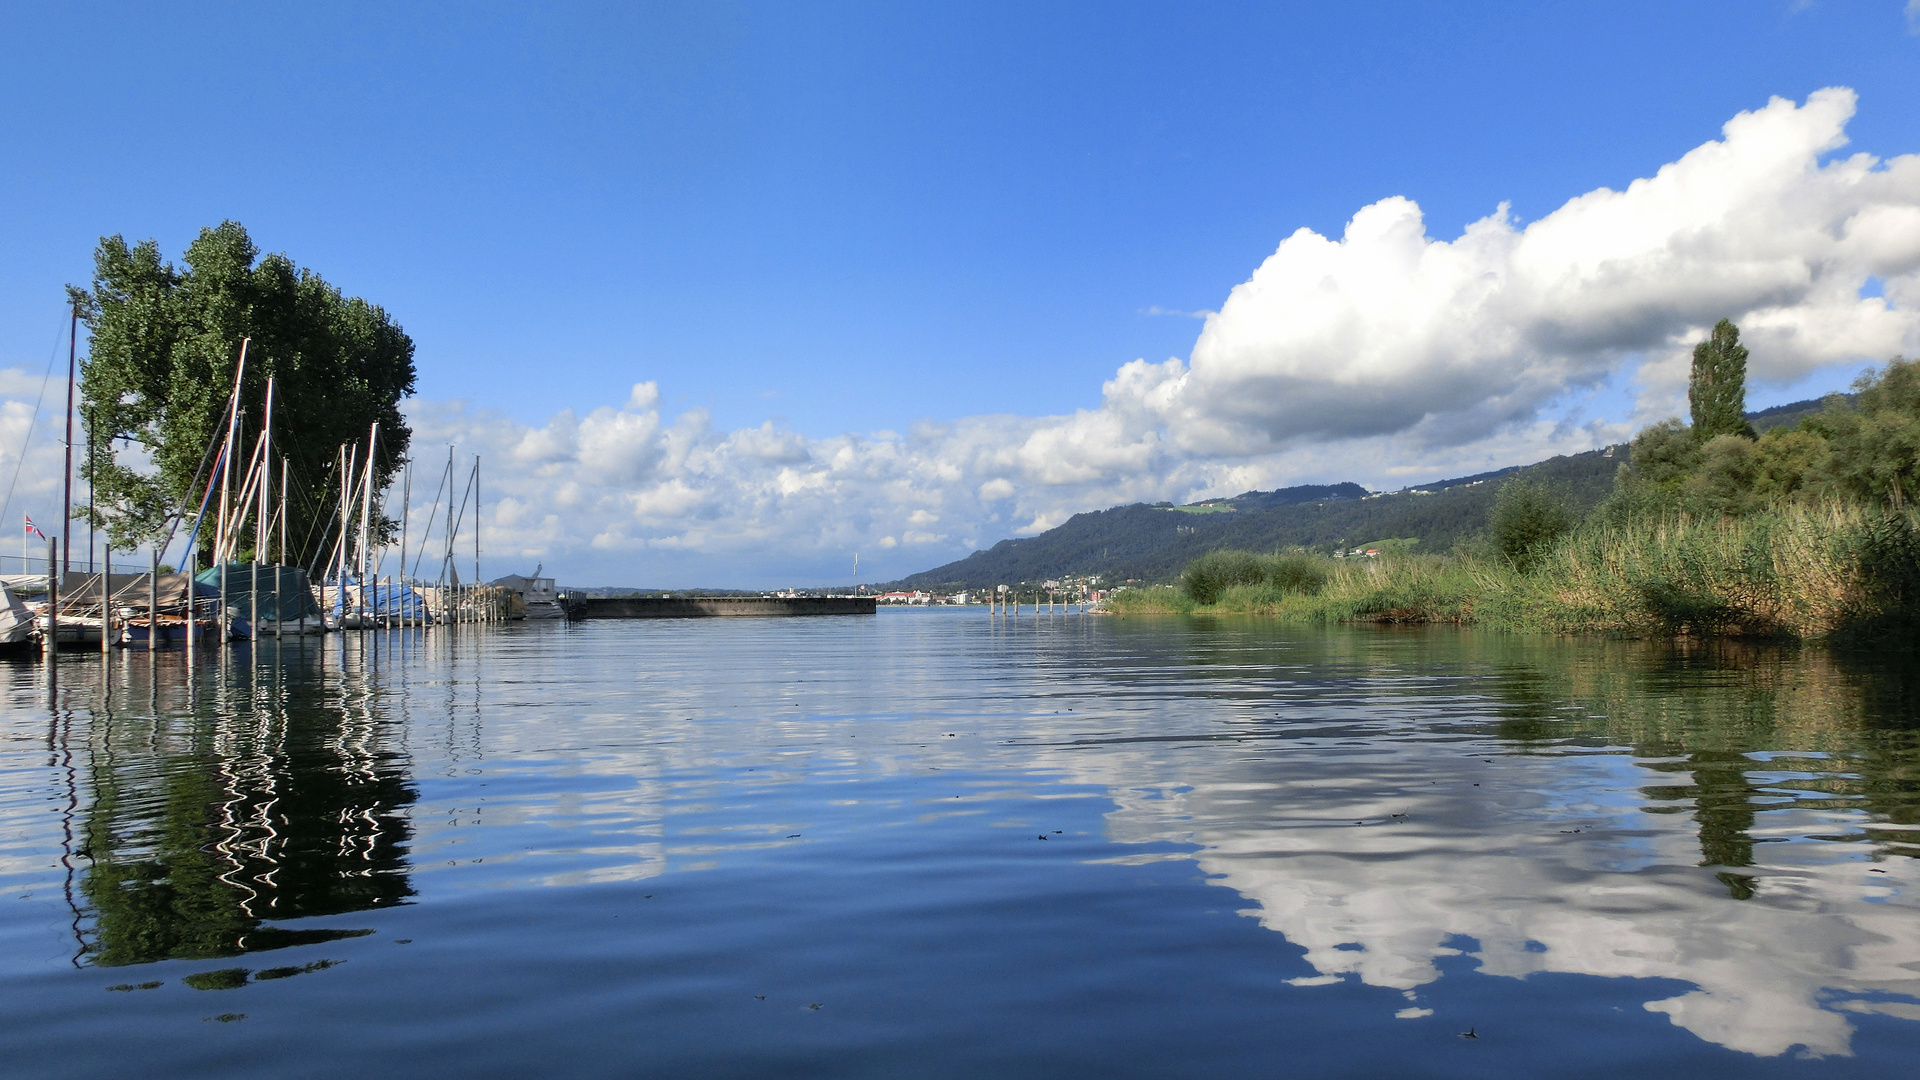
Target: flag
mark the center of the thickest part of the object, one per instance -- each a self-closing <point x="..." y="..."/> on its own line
<point x="32" y="530"/>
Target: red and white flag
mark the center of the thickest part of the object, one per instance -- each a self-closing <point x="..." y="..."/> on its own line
<point x="33" y="530"/>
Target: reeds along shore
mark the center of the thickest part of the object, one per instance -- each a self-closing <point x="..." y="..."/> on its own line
<point x="1818" y="571"/>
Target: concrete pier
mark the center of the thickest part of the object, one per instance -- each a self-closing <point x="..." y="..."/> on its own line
<point x="705" y="607"/>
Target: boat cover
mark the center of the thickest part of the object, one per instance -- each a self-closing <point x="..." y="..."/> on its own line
<point x="381" y="599"/>
<point x="285" y="595"/>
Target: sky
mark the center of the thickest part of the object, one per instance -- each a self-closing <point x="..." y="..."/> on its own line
<point x="724" y="294"/>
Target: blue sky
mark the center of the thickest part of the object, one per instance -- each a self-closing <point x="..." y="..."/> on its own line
<point x="852" y="217"/>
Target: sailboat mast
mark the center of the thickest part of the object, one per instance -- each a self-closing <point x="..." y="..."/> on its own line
<point x="476" y="519"/>
<point x="406" y="511"/>
<point x="66" y="484"/>
<point x="283" y="511"/>
<point x="263" y="521"/>
<point x="226" y="465"/>
<point x="348" y="455"/>
<point x="446" y="568"/>
<point x="366" y="501"/>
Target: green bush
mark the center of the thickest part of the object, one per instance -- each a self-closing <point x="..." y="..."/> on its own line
<point x="1208" y="578"/>
<point x="1526" y="519"/>
<point x="1212" y="574"/>
<point x="1296" y="572"/>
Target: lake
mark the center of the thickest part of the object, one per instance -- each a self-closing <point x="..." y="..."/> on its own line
<point x="941" y="843"/>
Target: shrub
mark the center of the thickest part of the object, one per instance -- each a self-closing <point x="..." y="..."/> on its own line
<point x="1296" y="572"/>
<point x="1209" y="578"/>
<point x="1212" y="574"/>
<point x="1527" y="518"/>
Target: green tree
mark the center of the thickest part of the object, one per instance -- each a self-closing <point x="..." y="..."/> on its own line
<point x="1875" y="443"/>
<point x="165" y="342"/>
<point x="1526" y="519"/>
<point x="1717" y="389"/>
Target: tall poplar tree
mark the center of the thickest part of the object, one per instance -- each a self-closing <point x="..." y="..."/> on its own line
<point x="165" y="342"/>
<point x="1717" y="389"/>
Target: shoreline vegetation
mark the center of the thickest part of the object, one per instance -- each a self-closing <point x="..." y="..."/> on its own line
<point x="1806" y="533"/>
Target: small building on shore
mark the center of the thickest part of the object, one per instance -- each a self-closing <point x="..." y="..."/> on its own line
<point x="534" y="597"/>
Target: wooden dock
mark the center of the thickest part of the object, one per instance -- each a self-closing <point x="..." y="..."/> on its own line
<point x="707" y="607"/>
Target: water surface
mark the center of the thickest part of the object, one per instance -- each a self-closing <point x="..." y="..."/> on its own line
<point x="941" y="843"/>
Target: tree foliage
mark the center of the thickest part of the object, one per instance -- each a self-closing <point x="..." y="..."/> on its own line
<point x="165" y="342"/>
<point x="1874" y="446"/>
<point x="1526" y="518"/>
<point x="1717" y="387"/>
<point x="1864" y="450"/>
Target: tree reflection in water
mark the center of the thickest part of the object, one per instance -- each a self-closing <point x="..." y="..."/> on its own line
<point x="206" y="822"/>
<point x="1399" y="824"/>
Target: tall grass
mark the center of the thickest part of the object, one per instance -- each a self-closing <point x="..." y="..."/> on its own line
<point x="1832" y="570"/>
<point x="1800" y="572"/>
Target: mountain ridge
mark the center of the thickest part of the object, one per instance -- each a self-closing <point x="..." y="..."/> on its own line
<point x="1153" y="542"/>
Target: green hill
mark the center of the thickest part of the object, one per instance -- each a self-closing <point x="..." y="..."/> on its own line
<point x="1154" y="543"/>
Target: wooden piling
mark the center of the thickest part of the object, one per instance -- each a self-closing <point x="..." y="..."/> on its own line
<point x="52" y="642"/>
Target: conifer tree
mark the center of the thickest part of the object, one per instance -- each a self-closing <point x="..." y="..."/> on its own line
<point x="1717" y="389"/>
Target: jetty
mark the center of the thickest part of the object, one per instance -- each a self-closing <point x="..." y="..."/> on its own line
<point x="706" y="607"/>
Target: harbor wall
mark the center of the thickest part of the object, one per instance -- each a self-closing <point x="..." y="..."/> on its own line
<point x="704" y="607"/>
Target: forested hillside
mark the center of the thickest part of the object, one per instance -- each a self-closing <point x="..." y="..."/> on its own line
<point x="1153" y="543"/>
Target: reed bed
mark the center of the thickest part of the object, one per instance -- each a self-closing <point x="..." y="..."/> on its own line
<point x="1816" y="571"/>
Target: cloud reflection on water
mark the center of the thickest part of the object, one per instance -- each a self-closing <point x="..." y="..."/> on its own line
<point x="1766" y="902"/>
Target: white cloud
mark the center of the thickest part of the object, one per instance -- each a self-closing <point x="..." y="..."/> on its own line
<point x="1384" y="356"/>
<point x="1389" y="331"/>
<point x="1385" y="903"/>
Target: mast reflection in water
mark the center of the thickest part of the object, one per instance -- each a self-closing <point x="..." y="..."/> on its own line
<point x="205" y="821"/>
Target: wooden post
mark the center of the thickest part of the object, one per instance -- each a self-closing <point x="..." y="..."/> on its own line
<point x="225" y="633"/>
<point x="153" y="601"/>
<point x="106" y="599"/>
<point x="53" y="597"/>
<point x="253" y="622"/>
<point x="193" y="625"/>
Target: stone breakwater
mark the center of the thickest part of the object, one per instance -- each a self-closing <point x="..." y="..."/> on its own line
<point x="703" y="607"/>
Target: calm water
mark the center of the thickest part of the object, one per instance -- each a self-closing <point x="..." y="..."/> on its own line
<point x="935" y="843"/>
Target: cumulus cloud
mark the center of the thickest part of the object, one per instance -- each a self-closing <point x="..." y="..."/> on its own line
<point x="1388" y="330"/>
<point x="1384" y="355"/>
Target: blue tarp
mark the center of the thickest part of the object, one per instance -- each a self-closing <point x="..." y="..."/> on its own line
<point x="379" y="600"/>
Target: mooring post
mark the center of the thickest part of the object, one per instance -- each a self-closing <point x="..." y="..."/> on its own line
<point x="253" y="618"/>
<point x="153" y="600"/>
<point x="193" y="614"/>
<point x="52" y="642"/>
<point x="106" y="601"/>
